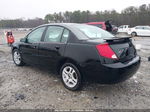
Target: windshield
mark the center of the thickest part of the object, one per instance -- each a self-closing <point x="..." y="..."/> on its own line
<point x="93" y="32"/>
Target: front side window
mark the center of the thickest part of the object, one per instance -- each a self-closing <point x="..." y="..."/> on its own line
<point x="53" y="34"/>
<point x="93" y="32"/>
<point x="36" y="35"/>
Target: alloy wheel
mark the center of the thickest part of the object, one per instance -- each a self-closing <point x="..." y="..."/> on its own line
<point x="70" y="77"/>
<point x="17" y="57"/>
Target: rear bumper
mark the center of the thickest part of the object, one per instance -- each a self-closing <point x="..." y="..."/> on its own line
<point x="112" y="73"/>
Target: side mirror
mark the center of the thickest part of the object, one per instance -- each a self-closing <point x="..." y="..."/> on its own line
<point x="23" y="40"/>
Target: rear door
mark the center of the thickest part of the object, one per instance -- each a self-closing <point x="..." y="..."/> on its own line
<point x="29" y="49"/>
<point x="147" y="31"/>
<point x="52" y="48"/>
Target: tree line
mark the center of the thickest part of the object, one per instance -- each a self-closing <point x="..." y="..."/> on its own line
<point x="131" y="16"/>
<point x="20" y="23"/>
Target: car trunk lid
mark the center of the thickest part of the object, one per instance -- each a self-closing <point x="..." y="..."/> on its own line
<point x="123" y="48"/>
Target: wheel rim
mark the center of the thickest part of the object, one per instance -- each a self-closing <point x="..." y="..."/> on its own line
<point x="70" y="77"/>
<point x="17" y="57"/>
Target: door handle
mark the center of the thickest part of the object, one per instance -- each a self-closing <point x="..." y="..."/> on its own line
<point x="57" y="47"/>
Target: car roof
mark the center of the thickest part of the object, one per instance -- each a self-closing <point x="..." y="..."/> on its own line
<point x="61" y="24"/>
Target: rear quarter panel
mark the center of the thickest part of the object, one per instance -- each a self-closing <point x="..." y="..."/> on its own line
<point x="82" y="54"/>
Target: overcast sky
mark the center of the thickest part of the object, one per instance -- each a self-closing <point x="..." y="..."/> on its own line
<point x="11" y="9"/>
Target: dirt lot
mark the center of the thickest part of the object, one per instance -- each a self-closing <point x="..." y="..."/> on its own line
<point x="30" y="87"/>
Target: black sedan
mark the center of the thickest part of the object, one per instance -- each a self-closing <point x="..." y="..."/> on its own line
<point x="76" y="51"/>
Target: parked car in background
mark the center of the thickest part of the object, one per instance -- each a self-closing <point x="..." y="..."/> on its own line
<point x="76" y="51"/>
<point x="123" y="29"/>
<point x="103" y="26"/>
<point x="139" y="31"/>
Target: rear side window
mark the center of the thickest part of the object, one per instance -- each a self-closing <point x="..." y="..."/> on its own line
<point x="53" y="34"/>
<point x="139" y="27"/>
<point x="147" y="28"/>
<point x="65" y="36"/>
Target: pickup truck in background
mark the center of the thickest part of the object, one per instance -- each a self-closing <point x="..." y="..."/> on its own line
<point x="123" y="29"/>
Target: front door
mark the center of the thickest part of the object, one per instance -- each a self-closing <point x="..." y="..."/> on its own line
<point x="29" y="49"/>
<point x="140" y="30"/>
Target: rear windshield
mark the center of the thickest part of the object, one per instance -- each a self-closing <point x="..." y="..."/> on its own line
<point x="93" y="32"/>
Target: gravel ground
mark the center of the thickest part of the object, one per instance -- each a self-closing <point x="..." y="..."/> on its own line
<point x="30" y="87"/>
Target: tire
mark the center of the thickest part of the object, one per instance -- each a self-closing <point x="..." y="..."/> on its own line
<point x="17" y="58"/>
<point x="71" y="77"/>
<point x="133" y="34"/>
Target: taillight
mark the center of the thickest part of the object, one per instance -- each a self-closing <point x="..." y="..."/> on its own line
<point x="105" y="51"/>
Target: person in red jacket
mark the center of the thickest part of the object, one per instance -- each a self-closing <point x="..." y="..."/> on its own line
<point x="10" y="38"/>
